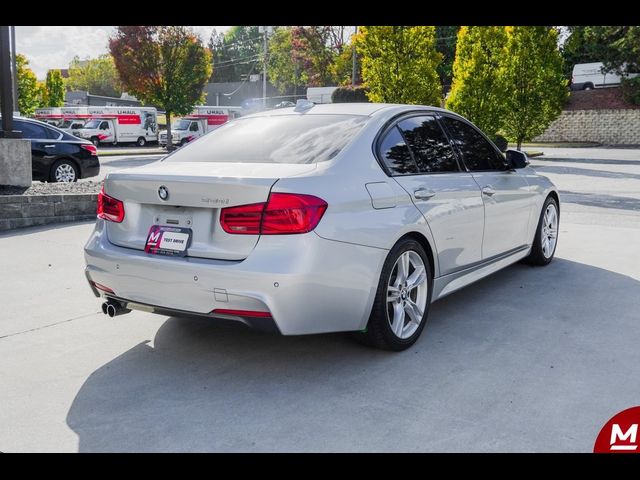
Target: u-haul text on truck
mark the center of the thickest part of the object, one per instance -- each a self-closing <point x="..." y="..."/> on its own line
<point x="114" y="125"/>
<point x="202" y="120"/>
<point x="69" y="119"/>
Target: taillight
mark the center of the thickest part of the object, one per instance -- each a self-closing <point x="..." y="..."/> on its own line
<point x="90" y="148"/>
<point x="283" y="213"/>
<point x="110" y="208"/>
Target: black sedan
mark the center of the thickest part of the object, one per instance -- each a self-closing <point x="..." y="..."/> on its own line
<point x="58" y="156"/>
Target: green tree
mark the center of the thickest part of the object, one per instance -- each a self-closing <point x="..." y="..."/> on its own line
<point x="166" y="66"/>
<point x="399" y="64"/>
<point x="54" y="85"/>
<point x="28" y="97"/>
<point x="617" y="46"/>
<point x="235" y="53"/>
<point x="283" y="72"/>
<point x="578" y="48"/>
<point x="478" y="90"/>
<point x="97" y="76"/>
<point x="315" y="50"/>
<point x="446" y="39"/>
<point x="534" y="81"/>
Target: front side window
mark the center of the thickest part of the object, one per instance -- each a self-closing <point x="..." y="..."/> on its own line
<point x="429" y="144"/>
<point x="478" y="154"/>
<point x="104" y="126"/>
<point x="194" y="127"/>
<point x="395" y="154"/>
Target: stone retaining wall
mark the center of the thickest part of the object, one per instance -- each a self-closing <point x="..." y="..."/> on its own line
<point x="18" y="211"/>
<point x="611" y="127"/>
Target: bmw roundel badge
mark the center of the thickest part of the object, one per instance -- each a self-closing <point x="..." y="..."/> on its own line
<point x="163" y="192"/>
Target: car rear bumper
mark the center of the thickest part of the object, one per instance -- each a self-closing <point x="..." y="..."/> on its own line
<point x="308" y="284"/>
<point x="90" y="167"/>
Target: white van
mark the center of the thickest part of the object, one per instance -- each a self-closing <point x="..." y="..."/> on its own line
<point x="202" y="120"/>
<point x="320" y="94"/>
<point x="587" y="76"/>
<point x="114" y="125"/>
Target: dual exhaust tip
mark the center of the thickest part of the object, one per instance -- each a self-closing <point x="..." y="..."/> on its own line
<point x="113" y="308"/>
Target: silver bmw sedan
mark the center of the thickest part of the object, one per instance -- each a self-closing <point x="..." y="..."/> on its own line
<point x="320" y="218"/>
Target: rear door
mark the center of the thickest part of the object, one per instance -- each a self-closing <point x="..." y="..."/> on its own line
<point x="419" y="156"/>
<point x="43" y="149"/>
<point x="506" y="195"/>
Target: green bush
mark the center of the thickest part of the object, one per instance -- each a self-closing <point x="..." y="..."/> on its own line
<point x="349" y="95"/>
<point x="631" y="90"/>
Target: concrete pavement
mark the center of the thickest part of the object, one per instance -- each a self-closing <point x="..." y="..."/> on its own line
<point x="530" y="359"/>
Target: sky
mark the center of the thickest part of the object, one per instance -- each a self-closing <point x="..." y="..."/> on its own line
<point x="54" y="47"/>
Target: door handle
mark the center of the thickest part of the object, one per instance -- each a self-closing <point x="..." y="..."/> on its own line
<point x="488" y="190"/>
<point x="49" y="146"/>
<point x="423" y="193"/>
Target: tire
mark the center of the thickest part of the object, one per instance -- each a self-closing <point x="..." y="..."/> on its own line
<point x="95" y="141"/>
<point x="542" y="252"/>
<point x="588" y="86"/>
<point x="64" y="171"/>
<point x="141" y="142"/>
<point x="183" y="142"/>
<point x="381" y="331"/>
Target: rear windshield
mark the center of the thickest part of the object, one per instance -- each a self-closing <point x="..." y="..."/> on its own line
<point x="274" y="139"/>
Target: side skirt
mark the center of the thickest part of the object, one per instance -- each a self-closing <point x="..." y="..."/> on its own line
<point x="447" y="284"/>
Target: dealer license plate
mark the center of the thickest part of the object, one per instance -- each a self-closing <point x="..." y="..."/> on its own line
<point x="166" y="240"/>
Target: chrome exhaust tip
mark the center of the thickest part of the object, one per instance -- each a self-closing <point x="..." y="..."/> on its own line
<point x="113" y="308"/>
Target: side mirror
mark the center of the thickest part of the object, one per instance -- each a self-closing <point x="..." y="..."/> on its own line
<point x="517" y="159"/>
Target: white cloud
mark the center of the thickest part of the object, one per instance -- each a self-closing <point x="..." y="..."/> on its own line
<point x="54" y="47"/>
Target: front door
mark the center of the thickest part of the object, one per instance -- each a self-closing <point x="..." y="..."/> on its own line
<point x="418" y="155"/>
<point x="506" y="194"/>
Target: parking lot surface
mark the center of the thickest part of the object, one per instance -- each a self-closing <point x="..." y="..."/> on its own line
<point x="529" y="359"/>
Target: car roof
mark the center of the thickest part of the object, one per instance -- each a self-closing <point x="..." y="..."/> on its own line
<point x="366" y="109"/>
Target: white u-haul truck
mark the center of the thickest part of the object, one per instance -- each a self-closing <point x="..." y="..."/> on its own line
<point x="202" y="120"/>
<point x="68" y="119"/>
<point x="115" y="125"/>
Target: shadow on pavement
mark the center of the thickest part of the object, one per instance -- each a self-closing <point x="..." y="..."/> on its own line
<point x="600" y="200"/>
<point x="585" y="172"/>
<point x="530" y="359"/>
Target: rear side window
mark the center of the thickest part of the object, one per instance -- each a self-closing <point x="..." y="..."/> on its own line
<point x="274" y="139"/>
<point x="395" y="154"/>
<point x="478" y="154"/>
<point x="429" y="144"/>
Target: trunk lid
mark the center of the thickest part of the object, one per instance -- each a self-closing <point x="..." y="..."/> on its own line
<point x="197" y="193"/>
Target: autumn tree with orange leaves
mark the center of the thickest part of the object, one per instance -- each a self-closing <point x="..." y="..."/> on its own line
<point x="166" y="66"/>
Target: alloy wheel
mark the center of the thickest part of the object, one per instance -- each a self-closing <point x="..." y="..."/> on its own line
<point x="65" y="173"/>
<point x="549" y="231"/>
<point x="407" y="292"/>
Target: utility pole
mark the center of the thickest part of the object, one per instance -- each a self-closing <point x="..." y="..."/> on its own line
<point x="14" y="68"/>
<point x="265" y="31"/>
<point x="6" y="85"/>
<point x="353" y="51"/>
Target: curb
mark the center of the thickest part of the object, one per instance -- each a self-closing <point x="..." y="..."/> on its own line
<point x="19" y="211"/>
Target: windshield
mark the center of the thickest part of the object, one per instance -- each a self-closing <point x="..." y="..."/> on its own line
<point x="181" y="125"/>
<point x="92" y="124"/>
<point x="275" y="139"/>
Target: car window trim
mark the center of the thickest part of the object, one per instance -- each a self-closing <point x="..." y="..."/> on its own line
<point x="464" y="120"/>
<point x="393" y="122"/>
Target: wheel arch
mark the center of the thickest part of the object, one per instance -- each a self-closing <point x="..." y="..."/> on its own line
<point x="424" y="242"/>
<point x="556" y="197"/>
